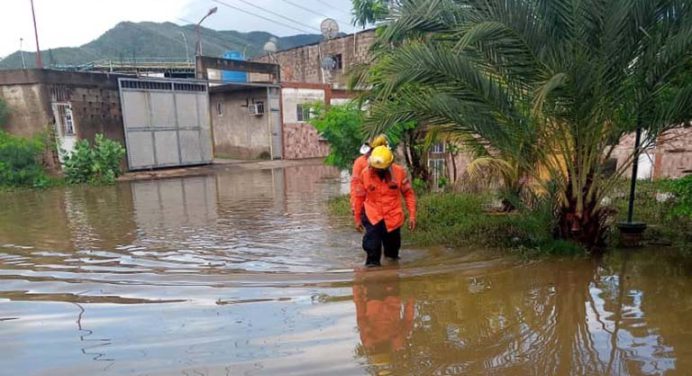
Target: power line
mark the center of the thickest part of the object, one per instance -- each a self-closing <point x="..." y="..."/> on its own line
<point x="312" y="11"/>
<point x="332" y="6"/>
<point x="306" y="9"/>
<point x="279" y="15"/>
<point x="260" y="16"/>
<point x="217" y="37"/>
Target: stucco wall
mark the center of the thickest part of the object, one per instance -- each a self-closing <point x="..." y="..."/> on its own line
<point x="300" y="138"/>
<point x="237" y="133"/>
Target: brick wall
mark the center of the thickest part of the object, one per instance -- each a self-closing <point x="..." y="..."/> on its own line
<point x="302" y="64"/>
<point x="672" y="155"/>
<point x="301" y="139"/>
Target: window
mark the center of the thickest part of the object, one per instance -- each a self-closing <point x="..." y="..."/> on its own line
<point x="438" y="148"/>
<point x="65" y="119"/>
<point x="338" y="62"/>
<point x="69" y="123"/>
<point x="219" y="108"/>
<point x="302" y="112"/>
<point x="437" y="171"/>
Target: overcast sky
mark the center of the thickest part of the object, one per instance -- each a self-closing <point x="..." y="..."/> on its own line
<point x="71" y="23"/>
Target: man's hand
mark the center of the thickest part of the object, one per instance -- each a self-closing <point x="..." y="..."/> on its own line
<point x="359" y="227"/>
<point x="411" y="224"/>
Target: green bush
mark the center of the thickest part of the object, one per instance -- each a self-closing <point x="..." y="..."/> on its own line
<point x="342" y="127"/>
<point x="682" y="202"/>
<point x="664" y="205"/>
<point x="20" y="161"/>
<point x="95" y="165"/>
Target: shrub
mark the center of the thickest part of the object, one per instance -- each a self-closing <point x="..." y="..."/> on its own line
<point x="20" y="161"/>
<point x="682" y="204"/>
<point x="96" y="165"/>
<point x="342" y="127"/>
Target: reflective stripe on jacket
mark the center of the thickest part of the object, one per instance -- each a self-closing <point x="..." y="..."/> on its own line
<point x="360" y="164"/>
<point x="382" y="198"/>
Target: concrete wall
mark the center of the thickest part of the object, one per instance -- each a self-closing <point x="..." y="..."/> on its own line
<point x="237" y="133"/>
<point x="300" y="138"/>
<point x="29" y="112"/>
<point x="93" y="97"/>
<point x="302" y="64"/>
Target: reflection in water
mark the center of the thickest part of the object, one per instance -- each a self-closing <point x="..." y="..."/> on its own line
<point x="244" y="272"/>
<point x="384" y="320"/>
<point x="553" y="317"/>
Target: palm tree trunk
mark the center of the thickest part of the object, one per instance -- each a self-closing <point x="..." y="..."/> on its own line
<point x="587" y="227"/>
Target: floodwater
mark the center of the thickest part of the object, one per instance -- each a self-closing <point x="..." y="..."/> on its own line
<point x="244" y="273"/>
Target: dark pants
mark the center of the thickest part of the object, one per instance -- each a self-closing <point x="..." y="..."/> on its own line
<point x="376" y="237"/>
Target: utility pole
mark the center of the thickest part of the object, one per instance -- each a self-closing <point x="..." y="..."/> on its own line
<point x="39" y="62"/>
<point x="21" y="52"/>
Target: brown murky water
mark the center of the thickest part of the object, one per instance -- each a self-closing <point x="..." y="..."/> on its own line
<point x="243" y="273"/>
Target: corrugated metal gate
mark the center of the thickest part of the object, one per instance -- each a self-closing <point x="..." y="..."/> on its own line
<point x="166" y="122"/>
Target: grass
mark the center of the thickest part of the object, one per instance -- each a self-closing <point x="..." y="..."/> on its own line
<point x="655" y="206"/>
<point x="462" y="219"/>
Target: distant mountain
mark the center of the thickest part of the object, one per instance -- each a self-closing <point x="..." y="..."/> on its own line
<point x="149" y="40"/>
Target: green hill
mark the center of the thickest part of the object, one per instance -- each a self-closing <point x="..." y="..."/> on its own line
<point x="150" y="40"/>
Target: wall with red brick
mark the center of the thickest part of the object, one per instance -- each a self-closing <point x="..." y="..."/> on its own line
<point x="302" y="64"/>
<point x="301" y="139"/>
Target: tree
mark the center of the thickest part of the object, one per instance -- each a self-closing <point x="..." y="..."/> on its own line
<point x="342" y="127"/>
<point x="367" y="12"/>
<point x="549" y="86"/>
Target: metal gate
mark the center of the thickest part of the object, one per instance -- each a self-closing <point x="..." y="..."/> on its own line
<point x="166" y="122"/>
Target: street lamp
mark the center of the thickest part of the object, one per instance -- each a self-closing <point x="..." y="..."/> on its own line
<point x="199" y="37"/>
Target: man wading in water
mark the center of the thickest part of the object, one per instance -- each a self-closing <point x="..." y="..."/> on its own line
<point x="361" y="163"/>
<point x="377" y="207"/>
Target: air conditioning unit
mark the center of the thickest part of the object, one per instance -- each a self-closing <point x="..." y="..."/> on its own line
<point x="256" y="109"/>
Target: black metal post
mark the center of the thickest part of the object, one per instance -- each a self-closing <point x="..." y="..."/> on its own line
<point x="633" y="183"/>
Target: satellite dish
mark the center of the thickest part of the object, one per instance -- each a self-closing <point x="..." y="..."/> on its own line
<point x="328" y="63"/>
<point x="270" y="46"/>
<point x="329" y="28"/>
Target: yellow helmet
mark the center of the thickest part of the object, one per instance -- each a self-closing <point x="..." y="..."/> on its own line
<point x="379" y="140"/>
<point x="381" y="158"/>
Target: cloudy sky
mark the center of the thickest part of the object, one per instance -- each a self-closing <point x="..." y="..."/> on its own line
<point x="71" y="23"/>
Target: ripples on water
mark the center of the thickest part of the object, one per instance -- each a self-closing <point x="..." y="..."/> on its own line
<point x="244" y="272"/>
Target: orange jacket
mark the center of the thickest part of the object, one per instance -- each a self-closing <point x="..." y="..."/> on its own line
<point x="360" y="164"/>
<point x="382" y="199"/>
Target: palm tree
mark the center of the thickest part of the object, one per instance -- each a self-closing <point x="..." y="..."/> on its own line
<point x="546" y="85"/>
